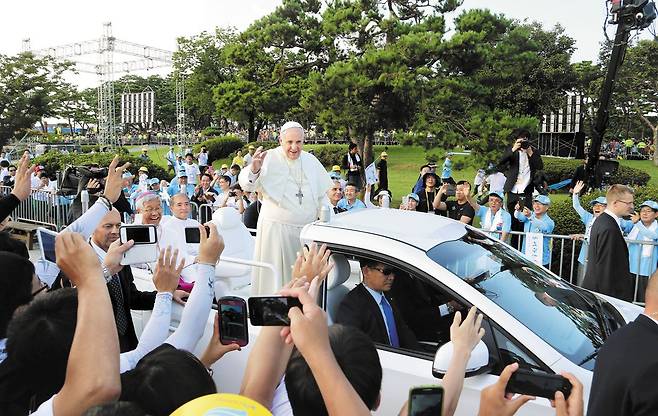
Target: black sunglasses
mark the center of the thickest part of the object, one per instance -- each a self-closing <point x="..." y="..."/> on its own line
<point x="385" y="271"/>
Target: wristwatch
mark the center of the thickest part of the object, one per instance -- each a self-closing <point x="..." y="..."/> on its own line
<point x="107" y="275"/>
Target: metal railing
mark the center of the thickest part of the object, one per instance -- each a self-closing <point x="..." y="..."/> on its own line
<point x="44" y="208"/>
<point x="566" y="249"/>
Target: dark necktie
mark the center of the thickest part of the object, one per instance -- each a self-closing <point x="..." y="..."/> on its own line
<point x="114" y="286"/>
<point x="390" y="322"/>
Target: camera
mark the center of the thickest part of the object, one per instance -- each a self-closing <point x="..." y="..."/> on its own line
<point x="75" y="179"/>
<point x="525" y="144"/>
<point x="232" y="193"/>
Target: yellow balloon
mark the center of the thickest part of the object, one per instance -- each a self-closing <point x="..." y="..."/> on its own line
<point x="221" y="404"/>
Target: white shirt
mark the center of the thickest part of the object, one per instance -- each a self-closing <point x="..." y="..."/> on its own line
<point x="46" y="408"/>
<point x="203" y="159"/>
<point x="523" y="179"/>
<point x="280" y="402"/>
<point x="247" y="159"/>
<point x="496" y="182"/>
<point x="192" y="172"/>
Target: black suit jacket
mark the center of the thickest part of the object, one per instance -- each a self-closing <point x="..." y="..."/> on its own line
<point x="359" y="309"/>
<point x="607" y="260"/>
<point x="624" y="380"/>
<point x="132" y="299"/>
<point x="510" y="163"/>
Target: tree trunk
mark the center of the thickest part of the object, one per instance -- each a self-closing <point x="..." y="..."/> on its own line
<point x="368" y="149"/>
<point x="43" y="126"/>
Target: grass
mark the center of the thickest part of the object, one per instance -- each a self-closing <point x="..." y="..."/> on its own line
<point x="404" y="163"/>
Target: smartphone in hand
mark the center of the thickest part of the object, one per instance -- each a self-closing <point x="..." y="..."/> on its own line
<point x="271" y="310"/>
<point x="538" y="384"/>
<point x="425" y="400"/>
<point x="233" y="328"/>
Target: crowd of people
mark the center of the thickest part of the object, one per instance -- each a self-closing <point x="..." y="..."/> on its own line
<point x="54" y="326"/>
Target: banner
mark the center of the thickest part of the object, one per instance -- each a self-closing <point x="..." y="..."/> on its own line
<point x="534" y="247"/>
<point x="371" y="175"/>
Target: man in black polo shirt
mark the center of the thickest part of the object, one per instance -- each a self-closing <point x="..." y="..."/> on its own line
<point x="460" y="209"/>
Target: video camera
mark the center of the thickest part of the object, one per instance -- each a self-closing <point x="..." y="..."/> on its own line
<point x="75" y="178"/>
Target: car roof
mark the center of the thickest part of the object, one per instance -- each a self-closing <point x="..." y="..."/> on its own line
<point x="417" y="229"/>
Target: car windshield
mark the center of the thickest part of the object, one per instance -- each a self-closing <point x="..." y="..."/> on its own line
<point x="562" y="316"/>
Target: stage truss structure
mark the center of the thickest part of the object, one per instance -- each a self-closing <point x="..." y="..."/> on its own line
<point x="139" y="58"/>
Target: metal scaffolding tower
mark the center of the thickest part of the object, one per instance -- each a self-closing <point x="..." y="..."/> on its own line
<point x="106" y="47"/>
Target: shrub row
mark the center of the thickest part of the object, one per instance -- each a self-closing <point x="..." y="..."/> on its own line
<point x="220" y="147"/>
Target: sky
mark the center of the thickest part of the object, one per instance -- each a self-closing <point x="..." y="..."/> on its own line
<point x="158" y="23"/>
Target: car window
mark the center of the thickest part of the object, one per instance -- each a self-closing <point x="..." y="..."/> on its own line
<point x="423" y="312"/>
<point x="561" y="315"/>
<point x="510" y="352"/>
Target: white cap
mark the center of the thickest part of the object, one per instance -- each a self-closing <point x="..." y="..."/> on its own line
<point x="291" y="125"/>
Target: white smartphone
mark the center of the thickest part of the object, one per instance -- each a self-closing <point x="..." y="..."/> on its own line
<point x="145" y="249"/>
<point x="46" y="240"/>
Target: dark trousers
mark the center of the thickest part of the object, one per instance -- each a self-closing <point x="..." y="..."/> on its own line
<point x="517" y="225"/>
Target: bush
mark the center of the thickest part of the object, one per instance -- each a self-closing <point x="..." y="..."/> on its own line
<point x="220" y="147"/>
<point x="212" y="132"/>
<point x="54" y="162"/>
<point x="557" y="170"/>
<point x="266" y="146"/>
<point x="331" y="154"/>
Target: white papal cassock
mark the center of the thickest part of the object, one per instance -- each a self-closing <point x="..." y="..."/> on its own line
<point x="292" y="192"/>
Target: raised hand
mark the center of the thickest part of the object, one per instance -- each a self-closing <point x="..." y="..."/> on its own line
<point x="466" y="335"/>
<point x="114" y="254"/>
<point x="580" y="185"/>
<point x="495" y="402"/>
<point x="210" y="247"/>
<point x="526" y="212"/>
<point x="257" y="159"/>
<point x="113" y="183"/>
<point x="167" y="273"/>
<point x="313" y="262"/>
<point x="23" y="181"/>
<point x="77" y="259"/>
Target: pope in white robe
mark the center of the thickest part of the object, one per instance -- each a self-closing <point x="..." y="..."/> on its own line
<point x="293" y="186"/>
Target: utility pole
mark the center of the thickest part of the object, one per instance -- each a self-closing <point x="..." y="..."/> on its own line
<point x="628" y="15"/>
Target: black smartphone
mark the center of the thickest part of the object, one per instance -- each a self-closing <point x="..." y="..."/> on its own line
<point x="538" y="384"/>
<point x="193" y="236"/>
<point x="233" y="328"/>
<point x="271" y="310"/>
<point x="522" y="202"/>
<point x="140" y="234"/>
<point x="425" y="401"/>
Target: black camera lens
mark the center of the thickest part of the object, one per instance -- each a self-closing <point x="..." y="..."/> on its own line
<point x="525" y="144"/>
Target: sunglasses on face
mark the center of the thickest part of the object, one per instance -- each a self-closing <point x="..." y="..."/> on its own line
<point x="385" y="271"/>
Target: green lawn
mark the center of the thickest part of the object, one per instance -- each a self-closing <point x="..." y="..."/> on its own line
<point x="403" y="167"/>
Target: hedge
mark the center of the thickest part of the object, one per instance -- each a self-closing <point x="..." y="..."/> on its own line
<point x="558" y="170"/>
<point x="55" y="161"/>
<point x="220" y="147"/>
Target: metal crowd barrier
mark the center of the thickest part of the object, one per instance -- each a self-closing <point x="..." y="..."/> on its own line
<point x="42" y="208"/>
<point x="567" y="249"/>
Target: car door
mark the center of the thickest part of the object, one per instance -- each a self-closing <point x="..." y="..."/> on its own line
<point x="403" y="369"/>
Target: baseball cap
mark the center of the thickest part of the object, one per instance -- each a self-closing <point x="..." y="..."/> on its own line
<point x="384" y="154"/>
<point x="651" y="204"/>
<point x="224" y="166"/>
<point x="496" y="194"/>
<point x="38" y="168"/>
<point x="221" y="404"/>
<point x="414" y="197"/>
<point x="182" y="173"/>
<point x="335" y="168"/>
<point x="334" y="175"/>
<point x="251" y="146"/>
<point x="600" y="200"/>
<point x="382" y="193"/>
<point x="153" y="181"/>
<point x="127" y="175"/>
<point x="542" y="199"/>
<point x="144" y="169"/>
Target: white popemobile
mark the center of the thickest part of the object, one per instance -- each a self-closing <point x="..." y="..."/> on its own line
<point x="531" y="316"/>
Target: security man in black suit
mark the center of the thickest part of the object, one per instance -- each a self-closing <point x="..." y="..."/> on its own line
<point x="608" y="270"/>
<point x="521" y="162"/>
<point x="368" y="308"/>
<point x="627" y="364"/>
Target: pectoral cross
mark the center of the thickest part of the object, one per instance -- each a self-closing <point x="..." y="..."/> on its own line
<point x="299" y="195"/>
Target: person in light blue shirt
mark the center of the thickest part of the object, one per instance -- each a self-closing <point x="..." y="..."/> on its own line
<point x="537" y="221"/>
<point x="181" y="186"/>
<point x="350" y="201"/>
<point x="643" y="257"/>
<point x="495" y="221"/>
<point x="447" y="167"/>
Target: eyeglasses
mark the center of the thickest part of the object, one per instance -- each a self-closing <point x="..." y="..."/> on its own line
<point x="385" y="271"/>
<point x="41" y="289"/>
<point x="626" y="202"/>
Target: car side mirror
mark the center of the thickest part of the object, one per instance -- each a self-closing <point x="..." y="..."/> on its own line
<point x="477" y="364"/>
